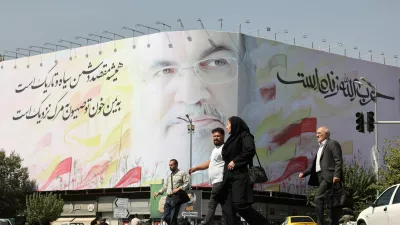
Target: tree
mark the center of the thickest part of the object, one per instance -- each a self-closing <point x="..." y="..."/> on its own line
<point x="389" y="173"/>
<point x="360" y="183"/>
<point x="14" y="185"/>
<point x="43" y="208"/>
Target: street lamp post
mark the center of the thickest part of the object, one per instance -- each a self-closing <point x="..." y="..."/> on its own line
<point x="56" y="45"/>
<point x="133" y="35"/>
<point x="164" y="25"/>
<point x="166" y="33"/>
<point x="148" y="32"/>
<point x="87" y="43"/>
<point x="70" y="43"/>
<point x="285" y="31"/>
<point x="55" y="53"/>
<point x="258" y="32"/>
<point x="41" y="53"/>
<point x="220" y="20"/>
<point x="359" y="53"/>
<point x="87" y="40"/>
<point x="133" y="31"/>
<point x="330" y="47"/>
<point x="190" y="128"/>
<point x="70" y="47"/>
<point x="183" y="28"/>
<point x="3" y="58"/>
<point x="305" y="36"/>
<point x="115" y="35"/>
<point x="292" y="38"/>
<point x="16" y="56"/>
<point x="240" y="26"/>
<point x="148" y="28"/>
<point x="201" y="23"/>
<point x="16" y="53"/>
<point x="209" y="37"/>
<point x="384" y="59"/>
<point x="101" y="37"/>
<point x="369" y="54"/>
<point x="28" y="50"/>
<point x="101" y="40"/>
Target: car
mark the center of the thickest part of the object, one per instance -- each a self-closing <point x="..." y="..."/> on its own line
<point x="297" y="220"/>
<point x="5" y="222"/>
<point x="384" y="210"/>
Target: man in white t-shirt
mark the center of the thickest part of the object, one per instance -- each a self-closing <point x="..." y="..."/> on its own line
<point x="215" y="166"/>
<point x="135" y="220"/>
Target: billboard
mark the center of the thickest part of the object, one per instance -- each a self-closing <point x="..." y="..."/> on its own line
<point x="105" y="116"/>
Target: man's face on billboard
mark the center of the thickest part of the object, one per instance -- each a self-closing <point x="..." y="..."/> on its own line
<point x="193" y="77"/>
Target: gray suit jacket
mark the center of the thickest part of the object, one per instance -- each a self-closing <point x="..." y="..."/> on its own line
<point x="331" y="164"/>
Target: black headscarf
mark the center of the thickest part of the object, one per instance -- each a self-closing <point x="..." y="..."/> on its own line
<point x="238" y="128"/>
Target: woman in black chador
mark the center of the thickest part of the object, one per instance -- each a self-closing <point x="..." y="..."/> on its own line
<point x="236" y="192"/>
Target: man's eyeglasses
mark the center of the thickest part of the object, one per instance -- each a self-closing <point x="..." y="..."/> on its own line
<point x="211" y="71"/>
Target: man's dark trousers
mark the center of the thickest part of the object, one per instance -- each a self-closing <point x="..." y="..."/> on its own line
<point x="320" y="196"/>
<point x="171" y="211"/>
<point x="212" y="204"/>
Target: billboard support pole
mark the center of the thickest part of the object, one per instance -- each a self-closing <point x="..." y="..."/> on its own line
<point x="190" y="128"/>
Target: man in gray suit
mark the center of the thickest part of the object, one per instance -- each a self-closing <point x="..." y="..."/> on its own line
<point x="325" y="170"/>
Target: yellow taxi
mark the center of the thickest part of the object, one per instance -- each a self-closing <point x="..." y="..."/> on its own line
<point x="299" y="220"/>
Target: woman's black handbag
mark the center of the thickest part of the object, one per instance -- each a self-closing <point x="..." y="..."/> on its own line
<point x="257" y="174"/>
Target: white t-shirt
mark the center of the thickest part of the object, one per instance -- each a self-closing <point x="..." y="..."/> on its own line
<point x="135" y="221"/>
<point x="216" y="167"/>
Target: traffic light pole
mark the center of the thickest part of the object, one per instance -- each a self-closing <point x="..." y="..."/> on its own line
<point x="376" y="128"/>
<point x="376" y="131"/>
<point x="376" y="122"/>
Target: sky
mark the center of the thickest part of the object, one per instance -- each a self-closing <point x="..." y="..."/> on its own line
<point x="367" y="24"/>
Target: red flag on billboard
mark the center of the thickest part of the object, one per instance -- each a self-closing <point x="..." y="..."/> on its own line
<point x="307" y="125"/>
<point x="295" y="165"/>
<point x="132" y="176"/>
<point x="62" y="168"/>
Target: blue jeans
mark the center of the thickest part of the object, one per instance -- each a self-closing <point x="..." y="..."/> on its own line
<point x="171" y="211"/>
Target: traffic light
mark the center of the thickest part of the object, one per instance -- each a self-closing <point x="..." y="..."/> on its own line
<point x="360" y="122"/>
<point x="370" y="122"/>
